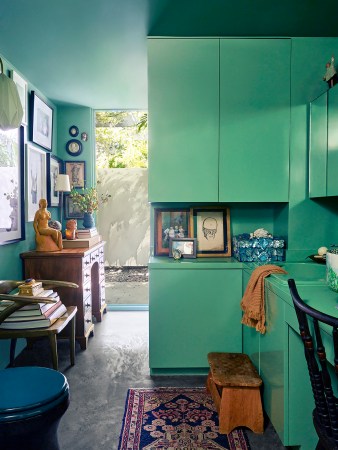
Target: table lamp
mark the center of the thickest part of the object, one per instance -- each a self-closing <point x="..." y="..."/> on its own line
<point x="62" y="185"/>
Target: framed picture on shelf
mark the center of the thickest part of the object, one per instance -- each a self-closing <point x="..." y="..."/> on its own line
<point x="170" y="223"/>
<point x="54" y="167"/>
<point x="36" y="179"/>
<point x="77" y="173"/>
<point x="72" y="211"/>
<point x="210" y="225"/>
<point x="12" y="212"/>
<point x="42" y="123"/>
<point x="183" y="247"/>
<point x="21" y="85"/>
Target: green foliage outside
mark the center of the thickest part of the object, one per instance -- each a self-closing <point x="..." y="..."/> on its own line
<point x="121" y="139"/>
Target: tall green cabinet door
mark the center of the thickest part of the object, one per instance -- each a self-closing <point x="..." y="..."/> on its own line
<point x="183" y="83"/>
<point x="332" y="156"/>
<point x="254" y="120"/>
<point x="318" y="147"/>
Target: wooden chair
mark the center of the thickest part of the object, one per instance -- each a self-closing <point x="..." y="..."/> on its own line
<point x="325" y="414"/>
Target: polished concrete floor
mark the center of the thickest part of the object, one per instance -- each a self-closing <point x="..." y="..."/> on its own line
<point x="116" y="359"/>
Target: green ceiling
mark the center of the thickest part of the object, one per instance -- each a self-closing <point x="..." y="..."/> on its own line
<point x="94" y="53"/>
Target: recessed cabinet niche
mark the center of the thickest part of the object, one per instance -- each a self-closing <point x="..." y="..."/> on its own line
<point x="219" y="114"/>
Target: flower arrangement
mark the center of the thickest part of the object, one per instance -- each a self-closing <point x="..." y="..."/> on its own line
<point x="88" y="200"/>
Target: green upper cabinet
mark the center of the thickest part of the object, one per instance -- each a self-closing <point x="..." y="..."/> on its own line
<point x="332" y="156"/>
<point x="254" y="120"/>
<point x="183" y="83"/>
<point x="318" y="147"/>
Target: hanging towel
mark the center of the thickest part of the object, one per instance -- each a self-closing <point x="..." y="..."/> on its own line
<point x="253" y="303"/>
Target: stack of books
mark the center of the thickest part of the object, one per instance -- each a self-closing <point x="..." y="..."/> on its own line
<point x="34" y="315"/>
<point x="86" y="238"/>
<point x="83" y="233"/>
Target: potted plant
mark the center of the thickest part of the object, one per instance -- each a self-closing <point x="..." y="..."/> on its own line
<point x="88" y="201"/>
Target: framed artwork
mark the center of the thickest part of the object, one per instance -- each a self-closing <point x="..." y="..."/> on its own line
<point x="42" y="123"/>
<point x="74" y="147"/>
<point x="170" y="223"/>
<point x="54" y="167"/>
<point x="77" y="173"/>
<point x="12" y="214"/>
<point x="211" y="227"/>
<point x="73" y="130"/>
<point x="21" y="85"/>
<point x="72" y="211"/>
<point x="182" y="247"/>
<point x="36" y="176"/>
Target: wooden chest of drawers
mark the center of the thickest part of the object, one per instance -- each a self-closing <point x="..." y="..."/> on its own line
<point x="79" y="265"/>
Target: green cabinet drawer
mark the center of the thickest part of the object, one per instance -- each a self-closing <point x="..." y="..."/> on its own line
<point x="183" y="120"/>
<point x="193" y="312"/>
<point x="254" y="120"/>
<point x="318" y="147"/>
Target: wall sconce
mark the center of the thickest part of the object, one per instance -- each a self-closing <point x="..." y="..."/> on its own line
<point x="11" y="111"/>
<point x="62" y="185"/>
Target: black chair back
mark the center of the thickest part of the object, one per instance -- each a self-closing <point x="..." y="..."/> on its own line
<point x="325" y="414"/>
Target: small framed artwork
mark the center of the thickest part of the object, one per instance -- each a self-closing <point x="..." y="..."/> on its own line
<point x="54" y="167"/>
<point x="42" y="123"/>
<point x="184" y="247"/>
<point x="36" y="176"/>
<point x="211" y="227"/>
<point x="73" y="130"/>
<point x="12" y="211"/>
<point x="72" y="211"/>
<point x="170" y="223"/>
<point x="77" y="173"/>
<point x="21" y="85"/>
<point x="74" y="147"/>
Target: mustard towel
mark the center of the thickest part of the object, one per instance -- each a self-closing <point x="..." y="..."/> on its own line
<point x="253" y="303"/>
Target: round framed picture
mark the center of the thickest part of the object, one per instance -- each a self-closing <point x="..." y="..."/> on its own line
<point x="74" y="147"/>
<point x="73" y="131"/>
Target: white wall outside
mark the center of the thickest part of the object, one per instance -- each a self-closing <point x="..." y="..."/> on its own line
<point x="124" y="222"/>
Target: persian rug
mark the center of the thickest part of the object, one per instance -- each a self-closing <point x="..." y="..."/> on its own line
<point x="175" y="418"/>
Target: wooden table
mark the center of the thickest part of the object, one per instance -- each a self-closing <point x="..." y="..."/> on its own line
<point x="51" y="332"/>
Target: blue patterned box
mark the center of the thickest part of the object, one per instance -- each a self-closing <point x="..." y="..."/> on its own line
<point x="258" y="249"/>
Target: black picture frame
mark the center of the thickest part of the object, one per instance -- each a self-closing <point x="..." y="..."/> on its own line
<point x="54" y="168"/>
<point x="74" y="147"/>
<point x="12" y="186"/>
<point x="73" y="130"/>
<point x="186" y="247"/>
<point x="41" y="130"/>
<point x="166" y="221"/>
<point x="76" y="170"/>
<point x="71" y="211"/>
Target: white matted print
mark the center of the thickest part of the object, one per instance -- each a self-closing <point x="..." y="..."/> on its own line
<point x="36" y="179"/>
<point x="42" y="123"/>
<point x="210" y="235"/>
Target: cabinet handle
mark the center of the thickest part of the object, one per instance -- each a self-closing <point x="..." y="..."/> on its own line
<point x="87" y="275"/>
<point x="92" y="258"/>
<point x="87" y="289"/>
<point x="87" y="305"/>
<point x="102" y="273"/>
<point x="88" y="320"/>
<point x="87" y="262"/>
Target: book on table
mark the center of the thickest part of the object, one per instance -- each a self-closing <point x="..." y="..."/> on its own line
<point x="81" y="243"/>
<point x="86" y="232"/>
<point x="42" y="309"/>
<point x="37" y="322"/>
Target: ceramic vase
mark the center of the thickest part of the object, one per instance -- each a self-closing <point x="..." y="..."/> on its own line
<point x="88" y="220"/>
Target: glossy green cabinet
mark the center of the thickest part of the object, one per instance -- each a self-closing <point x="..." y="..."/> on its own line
<point x="254" y="120"/>
<point x="219" y="116"/>
<point x="193" y="310"/>
<point x="183" y="120"/>
<point x="332" y="154"/>
<point x="318" y="147"/>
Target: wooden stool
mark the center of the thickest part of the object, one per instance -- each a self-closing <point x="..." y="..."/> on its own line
<point x="234" y="385"/>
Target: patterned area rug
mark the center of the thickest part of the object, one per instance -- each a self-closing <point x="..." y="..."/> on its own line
<point x="175" y="418"/>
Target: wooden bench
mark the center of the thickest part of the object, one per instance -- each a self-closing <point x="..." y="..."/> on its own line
<point x="234" y="385"/>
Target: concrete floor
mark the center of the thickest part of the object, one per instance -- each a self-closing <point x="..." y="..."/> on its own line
<point x="115" y="360"/>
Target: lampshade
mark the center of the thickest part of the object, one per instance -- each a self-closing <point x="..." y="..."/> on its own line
<point x="62" y="183"/>
<point x="11" y="111"/>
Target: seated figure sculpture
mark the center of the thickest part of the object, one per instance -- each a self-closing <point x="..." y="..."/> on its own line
<point x="47" y="239"/>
